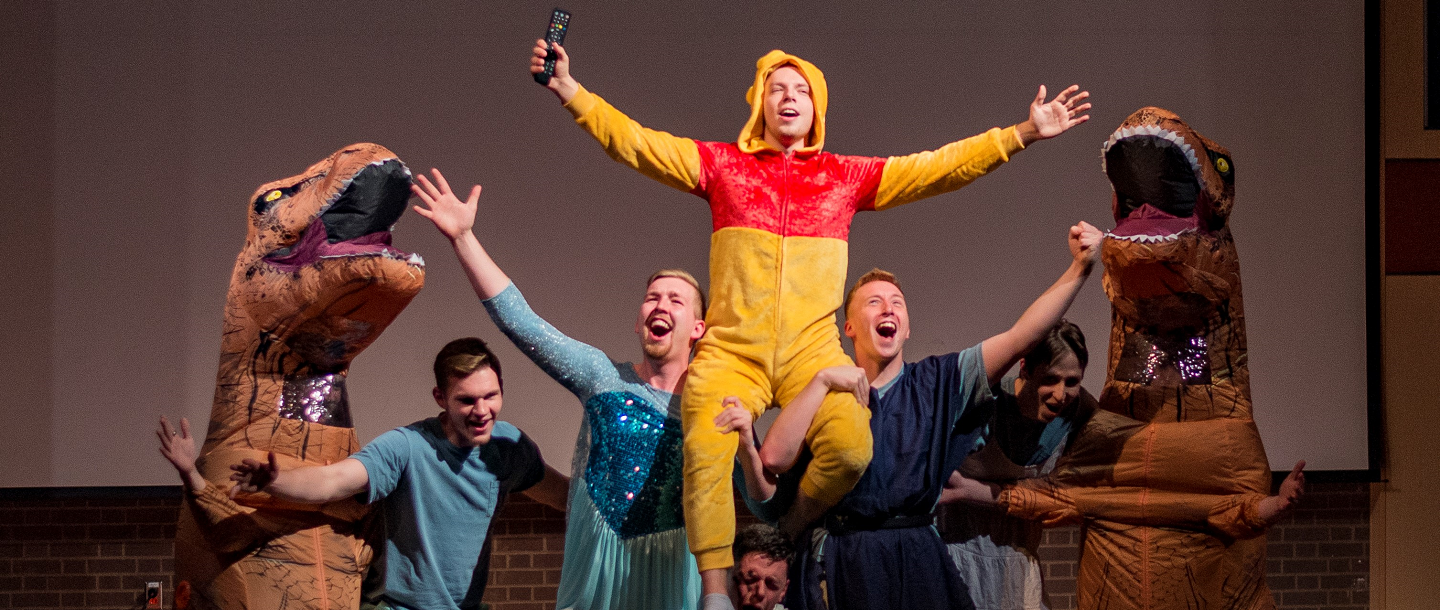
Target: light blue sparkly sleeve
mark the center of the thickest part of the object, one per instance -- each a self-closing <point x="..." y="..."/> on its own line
<point x="582" y="369"/>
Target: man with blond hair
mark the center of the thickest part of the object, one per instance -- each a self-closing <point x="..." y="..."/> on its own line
<point x="625" y="545"/>
<point x="781" y="209"/>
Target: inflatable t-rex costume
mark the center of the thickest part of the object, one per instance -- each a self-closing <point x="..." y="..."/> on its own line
<point x="1168" y="474"/>
<point x="316" y="283"/>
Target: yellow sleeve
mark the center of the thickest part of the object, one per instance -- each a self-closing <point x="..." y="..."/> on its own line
<point x="668" y="159"/>
<point x="926" y="174"/>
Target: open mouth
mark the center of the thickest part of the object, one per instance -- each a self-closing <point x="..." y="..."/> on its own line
<point x="659" y="327"/>
<point x="1156" y="177"/>
<point x="355" y="221"/>
<point x="789" y="113"/>
<point x="887" y="329"/>
<point x="478" y="426"/>
<point x="1047" y="409"/>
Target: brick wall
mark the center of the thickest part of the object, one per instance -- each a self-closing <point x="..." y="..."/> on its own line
<point x="97" y="548"/>
<point x="78" y="552"/>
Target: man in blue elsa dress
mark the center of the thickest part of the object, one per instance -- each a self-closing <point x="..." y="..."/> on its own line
<point x="625" y="544"/>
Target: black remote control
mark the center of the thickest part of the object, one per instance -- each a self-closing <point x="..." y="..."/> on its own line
<point x="555" y="34"/>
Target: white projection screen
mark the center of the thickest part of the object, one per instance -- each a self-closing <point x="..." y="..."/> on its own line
<point x="164" y="116"/>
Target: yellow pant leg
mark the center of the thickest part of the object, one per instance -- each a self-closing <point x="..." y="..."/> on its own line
<point x="709" y="455"/>
<point x="839" y="436"/>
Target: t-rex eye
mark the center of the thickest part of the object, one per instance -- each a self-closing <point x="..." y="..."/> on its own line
<point x="273" y="195"/>
<point x="1222" y="165"/>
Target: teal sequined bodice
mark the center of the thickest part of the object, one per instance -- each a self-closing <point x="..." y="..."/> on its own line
<point x="635" y="466"/>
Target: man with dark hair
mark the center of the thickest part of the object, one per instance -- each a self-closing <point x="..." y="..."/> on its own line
<point x="998" y="555"/>
<point x="625" y="535"/>
<point x="781" y="208"/>
<point x="762" y="567"/>
<point x="878" y="548"/>
<point x="441" y="480"/>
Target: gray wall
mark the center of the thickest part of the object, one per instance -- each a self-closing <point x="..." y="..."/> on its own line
<point x="139" y="131"/>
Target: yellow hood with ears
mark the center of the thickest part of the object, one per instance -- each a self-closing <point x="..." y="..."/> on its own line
<point x="752" y="137"/>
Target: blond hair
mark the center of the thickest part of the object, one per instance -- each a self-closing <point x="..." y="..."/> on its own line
<point x="702" y="305"/>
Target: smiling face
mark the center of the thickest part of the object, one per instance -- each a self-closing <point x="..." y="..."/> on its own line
<point x="789" y="111"/>
<point x="1046" y="391"/>
<point x="669" y="321"/>
<point x="471" y="405"/>
<point x="877" y="322"/>
<point x="760" y="581"/>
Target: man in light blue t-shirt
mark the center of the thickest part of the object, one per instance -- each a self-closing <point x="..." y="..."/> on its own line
<point x="441" y="481"/>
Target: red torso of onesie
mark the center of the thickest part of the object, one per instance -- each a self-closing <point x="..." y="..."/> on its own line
<point x="788" y="195"/>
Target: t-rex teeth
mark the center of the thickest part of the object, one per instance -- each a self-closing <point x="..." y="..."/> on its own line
<point x="416" y="259"/>
<point x="1149" y="239"/>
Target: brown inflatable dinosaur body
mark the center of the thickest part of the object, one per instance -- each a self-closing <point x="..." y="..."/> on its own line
<point x="315" y="283"/>
<point x="1169" y="473"/>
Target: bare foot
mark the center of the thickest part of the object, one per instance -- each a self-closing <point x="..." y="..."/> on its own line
<point x="1292" y="489"/>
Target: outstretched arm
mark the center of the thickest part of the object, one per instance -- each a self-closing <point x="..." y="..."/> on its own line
<point x="304" y="485"/>
<point x="1052" y="118"/>
<point x="1003" y="350"/>
<point x="179" y="448"/>
<point x="1237" y="515"/>
<point x="663" y="157"/>
<point x="577" y="366"/>
<point x="455" y="219"/>
<point x="960" y="488"/>
<point x="561" y="83"/>
<point x="914" y="177"/>
<point x="787" y="435"/>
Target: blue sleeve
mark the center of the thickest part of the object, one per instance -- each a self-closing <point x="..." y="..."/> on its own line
<point x="518" y="464"/>
<point x="385" y="460"/>
<point x="971" y="389"/>
<point x="582" y="369"/>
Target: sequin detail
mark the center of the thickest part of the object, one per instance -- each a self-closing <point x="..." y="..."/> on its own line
<point x="320" y="399"/>
<point x="1144" y="356"/>
<point x="635" y="466"/>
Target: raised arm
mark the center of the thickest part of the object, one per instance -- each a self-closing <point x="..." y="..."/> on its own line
<point x="1003" y="350"/>
<point x="304" y="485"/>
<point x="668" y="159"/>
<point x="786" y="436"/>
<point x="575" y="365"/>
<point x="455" y="219"/>
<point x="913" y="177"/>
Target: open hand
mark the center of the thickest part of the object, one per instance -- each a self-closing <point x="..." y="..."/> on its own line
<point x="1052" y="118"/>
<point x="735" y="418"/>
<point x="1085" y="242"/>
<point x="179" y="449"/>
<point x="252" y="475"/>
<point x="451" y="216"/>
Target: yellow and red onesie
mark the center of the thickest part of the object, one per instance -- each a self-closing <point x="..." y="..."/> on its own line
<point x="778" y="259"/>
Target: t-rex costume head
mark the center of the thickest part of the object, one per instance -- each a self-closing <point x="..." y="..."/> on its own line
<point x="316" y="282"/>
<point x="1169" y="473"/>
